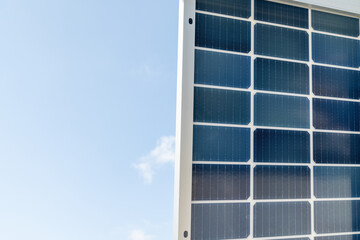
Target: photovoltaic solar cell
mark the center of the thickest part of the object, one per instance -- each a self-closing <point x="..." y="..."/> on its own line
<point x="221" y="106"/>
<point x="224" y="144"/>
<point x="336" y="115"/>
<point x="336" y="148"/>
<point x="222" y="69"/>
<point x="281" y="219"/>
<point x="220" y="182"/>
<point x="281" y="111"/>
<point x="337" y="216"/>
<point x="336" y="82"/>
<point x="336" y="182"/>
<point x="220" y="221"/>
<point x="333" y="23"/>
<point x="281" y="42"/>
<point x="228" y="7"/>
<point x="222" y="33"/>
<point x="279" y="13"/>
<point x="281" y="76"/>
<point x="281" y="146"/>
<point x="281" y="182"/>
<point x="326" y="49"/>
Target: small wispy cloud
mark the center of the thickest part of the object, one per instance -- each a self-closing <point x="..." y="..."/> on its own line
<point x="149" y="69"/>
<point x="139" y="235"/>
<point x="145" y="70"/>
<point x="163" y="153"/>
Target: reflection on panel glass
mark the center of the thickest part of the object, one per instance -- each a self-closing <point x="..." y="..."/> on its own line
<point x="222" y="69"/>
<point x="222" y="33"/>
<point x="220" y="221"/>
<point x="335" y="50"/>
<point x="221" y="106"/>
<point x="332" y="23"/>
<point x="336" y="82"/>
<point x="228" y="7"/>
<point x="281" y="219"/>
<point x="281" y="146"/>
<point x="227" y="144"/>
<point x="220" y="182"/>
<point x="336" y="115"/>
<point x="337" y="216"/>
<point x="339" y="237"/>
<point x="280" y="13"/>
<point x="281" y="111"/>
<point x="281" y="182"/>
<point x="336" y="148"/>
<point x="336" y="182"/>
<point x="281" y="76"/>
<point x="281" y="42"/>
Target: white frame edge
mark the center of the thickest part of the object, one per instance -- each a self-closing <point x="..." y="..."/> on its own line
<point x="299" y="3"/>
<point x="184" y="120"/>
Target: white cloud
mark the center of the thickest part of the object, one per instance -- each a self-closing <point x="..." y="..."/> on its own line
<point x="163" y="153"/>
<point x="145" y="170"/>
<point x="139" y="235"/>
<point x="164" y="150"/>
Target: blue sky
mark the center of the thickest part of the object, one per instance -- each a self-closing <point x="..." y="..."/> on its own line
<point x="87" y="119"/>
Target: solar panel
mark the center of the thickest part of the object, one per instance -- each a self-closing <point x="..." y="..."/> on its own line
<point x="268" y="122"/>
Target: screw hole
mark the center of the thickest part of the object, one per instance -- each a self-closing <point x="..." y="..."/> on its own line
<point x="190" y="20"/>
<point x="186" y="234"/>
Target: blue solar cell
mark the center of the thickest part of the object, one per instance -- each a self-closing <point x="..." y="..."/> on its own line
<point x="281" y="76"/>
<point x="222" y="69"/>
<point x="222" y="33"/>
<point x="336" y="148"/>
<point x="339" y="237"/>
<point x="335" y="50"/>
<point x="227" y="144"/>
<point x="221" y="106"/>
<point x="220" y="182"/>
<point x="337" y="216"/>
<point x="280" y="13"/>
<point x="336" y="115"/>
<point x="236" y="8"/>
<point x="333" y="23"/>
<point x="336" y="182"/>
<point x="281" y="111"/>
<point x="281" y="146"/>
<point x="220" y="221"/>
<point x="336" y="82"/>
<point x="282" y="219"/>
<point x="281" y="42"/>
<point x="281" y="182"/>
